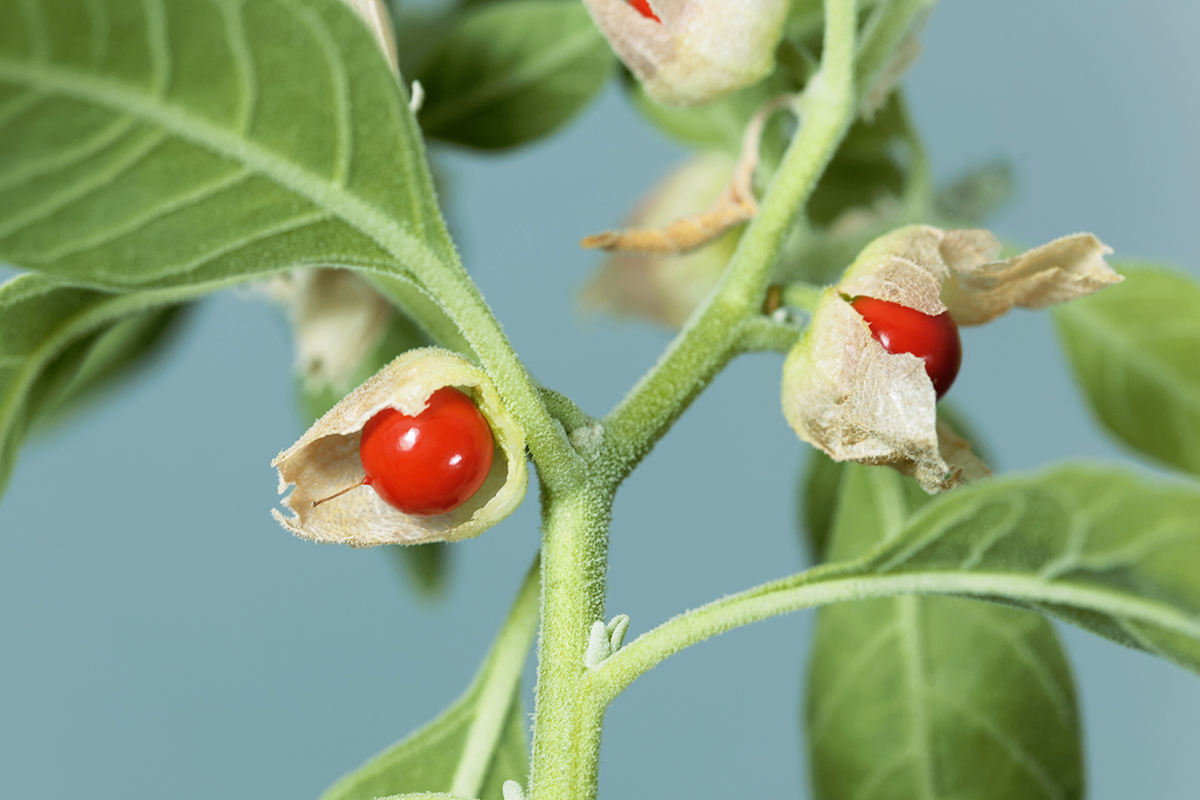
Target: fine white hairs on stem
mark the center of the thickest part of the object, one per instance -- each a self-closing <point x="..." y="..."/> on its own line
<point x="512" y="791"/>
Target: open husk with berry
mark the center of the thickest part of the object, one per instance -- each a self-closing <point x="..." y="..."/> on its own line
<point x="325" y="460"/>
<point x="844" y="393"/>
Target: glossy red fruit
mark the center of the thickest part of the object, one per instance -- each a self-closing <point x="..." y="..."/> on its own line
<point x="643" y="6"/>
<point x="901" y="329"/>
<point x="431" y="463"/>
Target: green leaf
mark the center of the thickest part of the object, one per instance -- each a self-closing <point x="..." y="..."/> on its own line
<point x="175" y="142"/>
<point x="1133" y="349"/>
<point x="60" y="346"/>
<point x="931" y="696"/>
<point x="113" y="356"/>
<point x="512" y="72"/>
<point x="475" y="745"/>
<point x="1099" y="548"/>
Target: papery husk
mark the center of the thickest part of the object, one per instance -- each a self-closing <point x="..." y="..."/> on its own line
<point x="845" y="394"/>
<point x="701" y="50"/>
<point x="934" y="270"/>
<point x="1062" y="270"/>
<point x="667" y="288"/>
<point x="325" y="460"/>
<point x="337" y="320"/>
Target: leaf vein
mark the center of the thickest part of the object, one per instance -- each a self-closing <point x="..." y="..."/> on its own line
<point x="157" y="46"/>
<point x="289" y="226"/>
<point x="66" y="157"/>
<point x="1015" y="749"/>
<point x="140" y="221"/>
<point x="239" y="44"/>
<point x="82" y="188"/>
<point x="341" y="90"/>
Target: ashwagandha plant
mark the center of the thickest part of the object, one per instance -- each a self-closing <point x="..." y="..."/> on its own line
<point x="154" y="152"/>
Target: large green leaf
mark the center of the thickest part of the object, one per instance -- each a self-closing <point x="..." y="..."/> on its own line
<point x="511" y="72"/>
<point x="1101" y="548"/>
<point x="1134" y="350"/>
<point x="475" y="745"/>
<point x="61" y="345"/>
<point x="173" y="142"/>
<point x="933" y="697"/>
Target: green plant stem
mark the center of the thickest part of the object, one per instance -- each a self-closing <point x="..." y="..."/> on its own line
<point x="566" y="738"/>
<point x="709" y="340"/>
<point x="837" y="583"/>
<point x="503" y="669"/>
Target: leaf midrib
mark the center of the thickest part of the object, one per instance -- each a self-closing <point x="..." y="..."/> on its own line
<point x="369" y="219"/>
<point x="844" y="583"/>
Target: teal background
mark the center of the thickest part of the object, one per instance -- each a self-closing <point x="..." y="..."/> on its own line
<point x="162" y="636"/>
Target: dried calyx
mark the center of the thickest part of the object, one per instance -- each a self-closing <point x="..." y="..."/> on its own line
<point x="326" y="460"/>
<point x="846" y="394"/>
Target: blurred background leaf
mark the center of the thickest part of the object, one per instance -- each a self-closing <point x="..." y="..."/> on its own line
<point x="1135" y="352"/>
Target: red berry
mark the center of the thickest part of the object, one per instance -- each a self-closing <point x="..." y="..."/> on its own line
<point x="901" y="329"/>
<point x="643" y="6"/>
<point x="431" y="463"/>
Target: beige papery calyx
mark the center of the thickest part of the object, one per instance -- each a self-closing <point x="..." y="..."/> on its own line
<point x="325" y="460"/>
<point x="843" y="393"/>
<point x="695" y="228"/>
<point x="700" y="50"/>
<point x="666" y="287"/>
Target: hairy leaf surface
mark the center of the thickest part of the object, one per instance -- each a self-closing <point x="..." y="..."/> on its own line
<point x="1134" y="350"/>
<point x="173" y="142"/>
<point x="1101" y="548"/>
<point x="509" y="73"/>
<point x="933" y="697"/>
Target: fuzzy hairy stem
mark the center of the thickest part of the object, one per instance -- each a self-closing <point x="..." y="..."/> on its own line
<point x="566" y="738"/>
